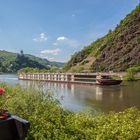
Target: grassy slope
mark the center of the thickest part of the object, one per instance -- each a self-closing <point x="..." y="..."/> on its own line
<point x="7" y="56"/>
<point x="10" y="57"/>
<point x="116" y="48"/>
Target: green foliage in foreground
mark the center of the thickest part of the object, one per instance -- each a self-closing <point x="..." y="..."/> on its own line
<point x="50" y="122"/>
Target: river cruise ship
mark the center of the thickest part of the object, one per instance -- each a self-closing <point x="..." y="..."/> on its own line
<point x="74" y="78"/>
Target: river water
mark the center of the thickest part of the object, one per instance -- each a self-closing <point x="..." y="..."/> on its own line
<point x="83" y="97"/>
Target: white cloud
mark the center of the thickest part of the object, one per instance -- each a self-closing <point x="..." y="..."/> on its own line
<point x="48" y="58"/>
<point x="62" y="40"/>
<point x="52" y="52"/>
<point x="42" y="38"/>
<point x="51" y="58"/>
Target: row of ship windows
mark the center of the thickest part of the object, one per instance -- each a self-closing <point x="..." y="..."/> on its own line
<point x="36" y="76"/>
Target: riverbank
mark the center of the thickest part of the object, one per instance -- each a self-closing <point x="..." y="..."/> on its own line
<point x="49" y="121"/>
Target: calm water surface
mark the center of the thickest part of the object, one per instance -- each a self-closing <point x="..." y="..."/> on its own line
<point x="79" y="97"/>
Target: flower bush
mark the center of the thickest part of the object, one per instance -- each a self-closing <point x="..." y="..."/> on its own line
<point x="3" y="112"/>
<point x="2" y="98"/>
<point x="2" y="91"/>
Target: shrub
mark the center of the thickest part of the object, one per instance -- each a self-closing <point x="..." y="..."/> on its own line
<point x="50" y="122"/>
<point x="131" y="73"/>
<point x="84" y="62"/>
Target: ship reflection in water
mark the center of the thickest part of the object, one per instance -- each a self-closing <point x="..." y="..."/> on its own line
<point x="101" y="98"/>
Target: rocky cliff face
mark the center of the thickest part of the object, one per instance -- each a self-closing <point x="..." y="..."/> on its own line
<point x="124" y="50"/>
<point x="117" y="51"/>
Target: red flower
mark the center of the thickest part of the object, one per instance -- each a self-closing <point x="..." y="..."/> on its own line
<point x="2" y="91"/>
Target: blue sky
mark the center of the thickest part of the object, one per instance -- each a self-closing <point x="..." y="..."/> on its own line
<point x="55" y="29"/>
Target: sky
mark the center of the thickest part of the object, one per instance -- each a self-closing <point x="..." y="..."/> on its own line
<point x="56" y="29"/>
